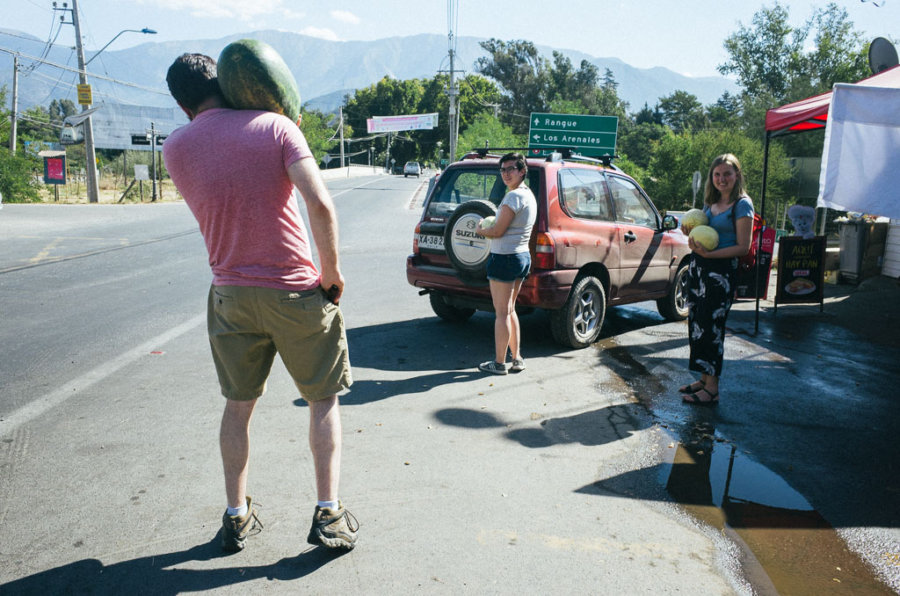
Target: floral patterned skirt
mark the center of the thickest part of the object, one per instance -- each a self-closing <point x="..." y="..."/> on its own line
<point x="710" y="294"/>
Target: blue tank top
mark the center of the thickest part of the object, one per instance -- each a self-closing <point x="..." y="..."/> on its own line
<point x="724" y="223"/>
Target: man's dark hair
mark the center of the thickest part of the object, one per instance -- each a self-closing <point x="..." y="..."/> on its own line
<point x="192" y="79"/>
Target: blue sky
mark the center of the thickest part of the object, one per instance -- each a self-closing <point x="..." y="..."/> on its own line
<point x="684" y="36"/>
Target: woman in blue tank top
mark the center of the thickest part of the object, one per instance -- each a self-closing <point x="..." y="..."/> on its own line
<point x="711" y="276"/>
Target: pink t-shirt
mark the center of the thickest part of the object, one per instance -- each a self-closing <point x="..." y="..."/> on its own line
<point x="231" y="168"/>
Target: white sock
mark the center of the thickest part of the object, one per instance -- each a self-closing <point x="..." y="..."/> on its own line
<point x="328" y="504"/>
<point x="240" y="511"/>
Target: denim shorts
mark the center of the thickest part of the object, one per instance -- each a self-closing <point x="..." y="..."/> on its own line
<point x="508" y="268"/>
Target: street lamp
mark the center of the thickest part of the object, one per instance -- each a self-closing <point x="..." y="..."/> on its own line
<point x="145" y="31"/>
<point x="90" y="155"/>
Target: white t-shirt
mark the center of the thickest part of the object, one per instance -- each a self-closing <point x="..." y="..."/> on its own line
<point x="521" y="200"/>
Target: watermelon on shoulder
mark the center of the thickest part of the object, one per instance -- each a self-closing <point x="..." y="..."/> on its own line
<point x="253" y="76"/>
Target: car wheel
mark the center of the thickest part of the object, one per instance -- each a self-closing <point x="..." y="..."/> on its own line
<point x="467" y="250"/>
<point x="674" y="306"/>
<point x="577" y="324"/>
<point x="448" y="312"/>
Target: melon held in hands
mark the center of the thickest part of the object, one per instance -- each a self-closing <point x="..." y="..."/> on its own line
<point x="487" y="222"/>
<point x="253" y="76"/>
<point x="693" y="218"/>
<point x="705" y="236"/>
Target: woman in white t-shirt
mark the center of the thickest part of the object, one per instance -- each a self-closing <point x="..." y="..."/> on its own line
<point x="509" y="261"/>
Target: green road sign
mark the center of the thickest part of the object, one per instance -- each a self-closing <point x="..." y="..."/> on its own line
<point x="593" y="136"/>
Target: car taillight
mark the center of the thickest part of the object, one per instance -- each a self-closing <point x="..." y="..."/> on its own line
<point x="416" y="239"/>
<point x="544" y="252"/>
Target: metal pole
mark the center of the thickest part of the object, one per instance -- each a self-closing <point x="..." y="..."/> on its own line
<point x="452" y="121"/>
<point x="341" y="112"/>
<point x="90" y="155"/>
<point x="153" y="159"/>
<point x="453" y="92"/>
<point x="15" y="101"/>
<point x="762" y="211"/>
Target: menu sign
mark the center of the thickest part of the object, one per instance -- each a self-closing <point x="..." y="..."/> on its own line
<point x="801" y="270"/>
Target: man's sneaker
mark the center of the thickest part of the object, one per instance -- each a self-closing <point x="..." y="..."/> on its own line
<point x="518" y="365"/>
<point x="334" y="528"/>
<point x="495" y="368"/>
<point x="236" y="528"/>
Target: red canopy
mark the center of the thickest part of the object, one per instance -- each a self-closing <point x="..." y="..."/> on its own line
<point x="812" y="113"/>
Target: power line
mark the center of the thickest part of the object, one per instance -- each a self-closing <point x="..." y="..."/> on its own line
<point x="86" y="73"/>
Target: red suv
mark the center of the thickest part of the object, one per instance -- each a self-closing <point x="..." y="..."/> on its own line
<point x="598" y="240"/>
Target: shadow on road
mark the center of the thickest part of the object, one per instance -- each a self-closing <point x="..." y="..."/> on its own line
<point x="594" y="428"/>
<point x="164" y="574"/>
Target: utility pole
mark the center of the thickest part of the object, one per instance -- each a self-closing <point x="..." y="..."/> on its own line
<point x="453" y="90"/>
<point x="90" y="155"/>
<point x="15" y="101"/>
<point x="341" y="112"/>
<point x="453" y="121"/>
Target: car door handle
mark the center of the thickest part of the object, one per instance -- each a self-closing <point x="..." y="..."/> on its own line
<point x="629" y="237"/>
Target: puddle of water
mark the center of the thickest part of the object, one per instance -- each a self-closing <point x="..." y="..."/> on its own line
<point x="791" y="548"/>
<point x="798" y="550"/>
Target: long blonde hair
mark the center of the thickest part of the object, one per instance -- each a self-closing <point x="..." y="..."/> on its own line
<point x="710" y="194"/>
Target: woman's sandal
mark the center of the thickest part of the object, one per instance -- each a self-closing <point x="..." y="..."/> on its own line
<point x="694" y="399"/>
<point x="689" y="388"/>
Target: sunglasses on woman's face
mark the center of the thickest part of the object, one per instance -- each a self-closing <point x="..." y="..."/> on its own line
<point x="509" y="170"/>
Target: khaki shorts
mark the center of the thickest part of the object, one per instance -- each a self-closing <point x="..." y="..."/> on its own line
<point x="248" y="325"/>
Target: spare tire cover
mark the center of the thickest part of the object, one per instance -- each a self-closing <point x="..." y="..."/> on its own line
<point x="468" y="251"/>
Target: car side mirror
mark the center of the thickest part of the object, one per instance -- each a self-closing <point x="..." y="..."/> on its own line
<point x="670" y="222"/>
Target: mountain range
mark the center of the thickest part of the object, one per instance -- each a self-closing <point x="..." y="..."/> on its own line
<point x="325" y="70"/>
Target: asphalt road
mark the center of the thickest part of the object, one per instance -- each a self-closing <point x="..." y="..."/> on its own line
<point x="562" y="479"/>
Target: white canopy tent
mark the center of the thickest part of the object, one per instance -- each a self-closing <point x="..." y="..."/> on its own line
<point x="861" y="155"/>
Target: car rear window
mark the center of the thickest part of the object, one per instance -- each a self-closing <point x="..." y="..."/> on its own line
<point x="460" y="185"/>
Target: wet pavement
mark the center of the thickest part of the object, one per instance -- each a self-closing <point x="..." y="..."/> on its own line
<point x="798" y="463"/>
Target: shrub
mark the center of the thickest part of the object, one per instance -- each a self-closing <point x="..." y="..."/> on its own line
<point x="17" y="182"/>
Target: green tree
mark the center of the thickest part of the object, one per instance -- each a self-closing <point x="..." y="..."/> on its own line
<point x="487" y="129"/>
<point x="682" y="111"/>
<point x="839" y="54"/>
<point x="774" y="66"/>
<point x="523" y="77"/>
<point x="59" y="110"/>
<point x="725" y="113"/>
<point x="34" y="124"/>
<point x="648" y="116"/>
<point x="321" y="138"/>
<point x="639" y="143"/>
<point x="766" y="56"/>
<point x="388" y="97"/>
<point x="679" y="156"/>
<point x="570" y="85"/>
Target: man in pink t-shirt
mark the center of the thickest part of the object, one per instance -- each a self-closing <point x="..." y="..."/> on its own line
<point x="237" y="170"/>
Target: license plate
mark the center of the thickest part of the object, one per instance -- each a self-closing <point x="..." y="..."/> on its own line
<point x="431" y="241"/>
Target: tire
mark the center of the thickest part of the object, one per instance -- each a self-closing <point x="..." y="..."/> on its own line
<point x="468" y="252"/>
<point x="674" y="306"/>
<point x="452" y="314"/>
<point x="577" y="324"/>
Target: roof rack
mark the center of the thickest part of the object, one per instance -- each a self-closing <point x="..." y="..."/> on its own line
<point x="498" y="151"/>
<point x="557" y="154"/>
